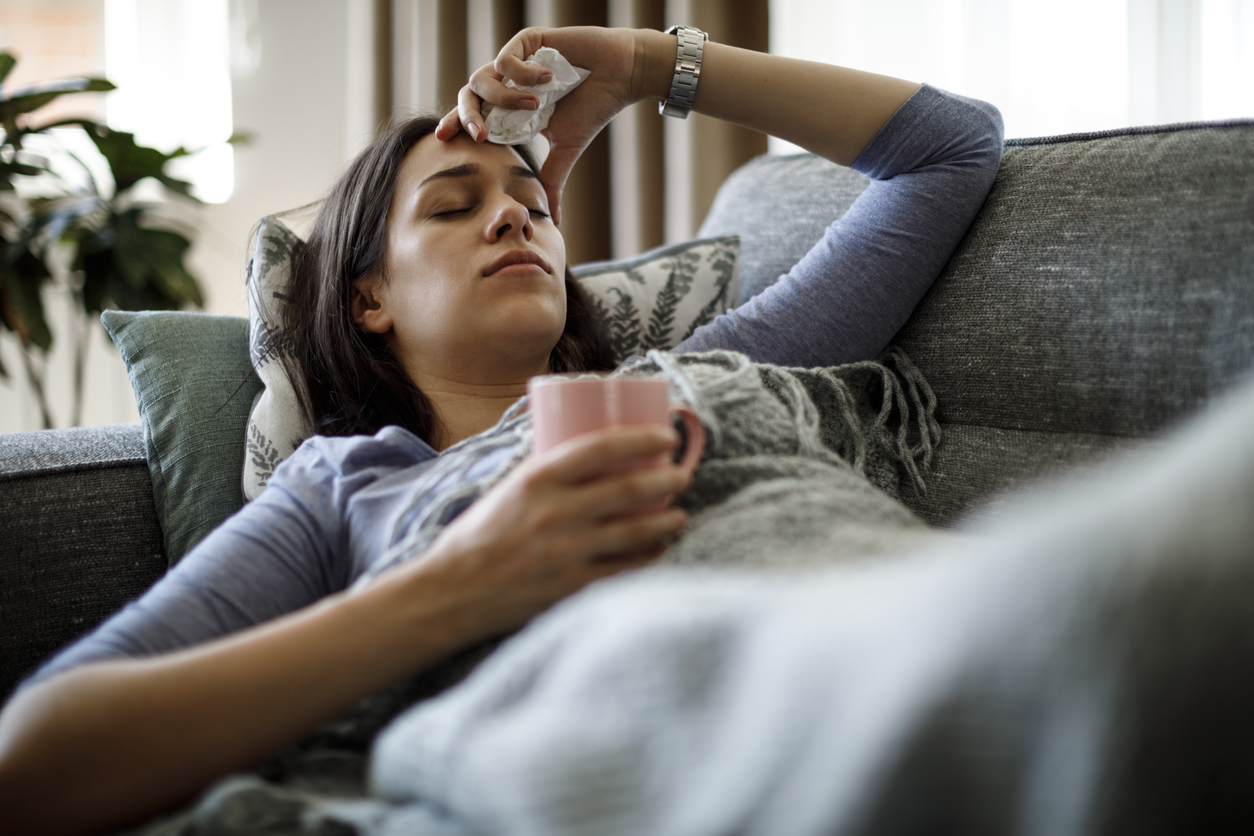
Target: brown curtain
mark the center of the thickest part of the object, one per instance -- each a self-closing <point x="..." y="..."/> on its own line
<point x="628" y="180"/>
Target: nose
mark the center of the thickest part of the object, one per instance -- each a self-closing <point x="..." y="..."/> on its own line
<point x="508" y="216"/>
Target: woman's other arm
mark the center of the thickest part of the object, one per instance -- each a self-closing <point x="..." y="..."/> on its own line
<point x="112" y="742"/>
<point x="845" y="300"/>
<point x="931" y="167"/>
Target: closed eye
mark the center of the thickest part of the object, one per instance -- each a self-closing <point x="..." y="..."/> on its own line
<point x="452" y="213"/>
<point x="539" y="213"/>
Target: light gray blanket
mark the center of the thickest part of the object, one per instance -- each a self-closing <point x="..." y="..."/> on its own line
<point x="1086" y="665"/>
<point x="1083" y="665"/>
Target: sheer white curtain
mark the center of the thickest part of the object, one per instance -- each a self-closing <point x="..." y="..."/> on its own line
<point x="1051" y="66"/>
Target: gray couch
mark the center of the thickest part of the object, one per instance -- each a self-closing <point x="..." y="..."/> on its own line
<point x="1105" y="292"/>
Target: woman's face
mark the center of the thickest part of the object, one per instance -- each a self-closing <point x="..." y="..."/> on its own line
<point x="474" y="285"/>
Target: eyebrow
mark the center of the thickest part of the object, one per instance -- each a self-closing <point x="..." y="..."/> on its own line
<point x="473" y="169"/>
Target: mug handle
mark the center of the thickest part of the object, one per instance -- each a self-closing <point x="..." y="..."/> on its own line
<point x="695" y="435"/>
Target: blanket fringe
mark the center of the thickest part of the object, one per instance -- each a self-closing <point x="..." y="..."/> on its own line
<point x="904" y="430"/>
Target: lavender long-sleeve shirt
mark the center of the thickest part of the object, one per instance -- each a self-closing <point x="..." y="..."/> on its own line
<point x="328" y="511"/>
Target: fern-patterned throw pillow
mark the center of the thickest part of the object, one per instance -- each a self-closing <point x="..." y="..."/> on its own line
<point x="656" y="300"/>
<point x="276" y="425"/>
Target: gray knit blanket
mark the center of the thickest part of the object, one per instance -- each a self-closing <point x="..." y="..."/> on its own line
<point x="802" y="468"/>
<point x="801" y="465"/>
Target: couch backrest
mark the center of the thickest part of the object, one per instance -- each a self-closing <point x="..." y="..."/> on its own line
<point x="1104" y="292"/>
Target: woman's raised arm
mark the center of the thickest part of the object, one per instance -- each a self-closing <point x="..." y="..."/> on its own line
<point x="829" y="110"/>
<point x="932" y="158"/>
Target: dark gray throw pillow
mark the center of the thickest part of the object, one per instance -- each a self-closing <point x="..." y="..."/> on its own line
<point x="193" y="385"/>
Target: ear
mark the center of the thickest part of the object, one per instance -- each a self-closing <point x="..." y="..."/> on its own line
<point x="369" y="312"/>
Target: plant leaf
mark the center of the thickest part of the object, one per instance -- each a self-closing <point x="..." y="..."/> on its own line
<point x="151" y="262"/>
<point x="7" y="62"/>
<point x="131" y="162"/>
<point x="56" y="217"/>
<point x="21" y="307"/>
<point x="35" y="96"/>
<point x="9" y="170"/>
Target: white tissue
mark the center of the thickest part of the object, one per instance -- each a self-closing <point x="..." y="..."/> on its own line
<point x="517" y="127"/>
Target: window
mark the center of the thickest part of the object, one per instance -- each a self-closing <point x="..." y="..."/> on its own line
<point x="1052" y="67"/>
<point x="171" y="62"/>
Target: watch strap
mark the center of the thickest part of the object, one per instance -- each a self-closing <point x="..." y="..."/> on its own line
<point x="691" y="45"/>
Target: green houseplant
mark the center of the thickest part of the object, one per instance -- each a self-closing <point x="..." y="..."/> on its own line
<point x="105" y="243"/>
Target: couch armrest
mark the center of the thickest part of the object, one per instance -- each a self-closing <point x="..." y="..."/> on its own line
<point x="81" y="537"/>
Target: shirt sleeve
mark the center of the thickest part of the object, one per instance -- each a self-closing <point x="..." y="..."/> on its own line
<point x="281" y="552"/>
<point x="931" y="166"/>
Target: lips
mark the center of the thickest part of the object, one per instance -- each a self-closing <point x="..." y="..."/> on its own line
<point x="518" y="257"/>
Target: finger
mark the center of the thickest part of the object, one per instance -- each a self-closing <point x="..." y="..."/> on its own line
<point x="590" y="455"/>
<point x="556" y="170"/>
<point x="624" y="494"/>
<point x="609" y="565"/>
<point x="490" y="88"/>
<point x="511" y="61"/>
<point x="521" y="72"/>
<point x="637" y="534"/>
<point x="449" y="127"/>
<point x="470" y="115"/>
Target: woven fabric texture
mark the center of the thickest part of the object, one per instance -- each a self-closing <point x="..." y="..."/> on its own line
<point x="1106" y="286"/>
<point x="192" y="378"/>
<point x="978" y="471"/>
<point x="22" y="454"/>
<point x="1105" y="290"/>
<point x="78" y="544"/>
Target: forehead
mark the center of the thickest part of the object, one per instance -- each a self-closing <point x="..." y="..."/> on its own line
<point x="431" y="155"/>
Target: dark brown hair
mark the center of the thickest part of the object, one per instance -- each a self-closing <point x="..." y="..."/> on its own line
<point x="351" y="381"/>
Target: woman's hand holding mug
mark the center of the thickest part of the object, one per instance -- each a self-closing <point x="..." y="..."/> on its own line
<point x="594" y="503"/>
<point x="564" y="406"/>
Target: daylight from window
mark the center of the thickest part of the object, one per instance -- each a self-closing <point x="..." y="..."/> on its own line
<point x="1051" y="67"/>
<point x="171" y="62"/>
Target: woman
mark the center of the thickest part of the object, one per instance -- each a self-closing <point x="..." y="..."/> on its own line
<point x="435" y="280"/>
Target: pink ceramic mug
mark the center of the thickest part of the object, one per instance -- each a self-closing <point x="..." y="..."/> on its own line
<point x="566" y="405"/>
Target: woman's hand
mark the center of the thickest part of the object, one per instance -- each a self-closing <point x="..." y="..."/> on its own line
<point x="559" y="522"/>
<point x="618" y="60"/>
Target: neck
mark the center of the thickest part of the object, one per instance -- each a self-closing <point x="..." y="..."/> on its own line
<point x="466" y="409"/>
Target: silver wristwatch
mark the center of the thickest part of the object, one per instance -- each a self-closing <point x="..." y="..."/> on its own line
<point x="687" y="71"/>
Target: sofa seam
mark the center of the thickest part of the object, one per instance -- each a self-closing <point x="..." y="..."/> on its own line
<point x="1138" y="130"/>
<point x="75" y="467"/>
<point x="945" y="424"/>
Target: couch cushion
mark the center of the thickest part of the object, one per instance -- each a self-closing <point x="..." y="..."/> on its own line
<point x="1105" y="290"/>
<point x="48" y="451"/>
<point x="977" y="470"/>
<point x="80" y="537"/>
<point x="194" y="385"/>
<point x="1107" y="285"/>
